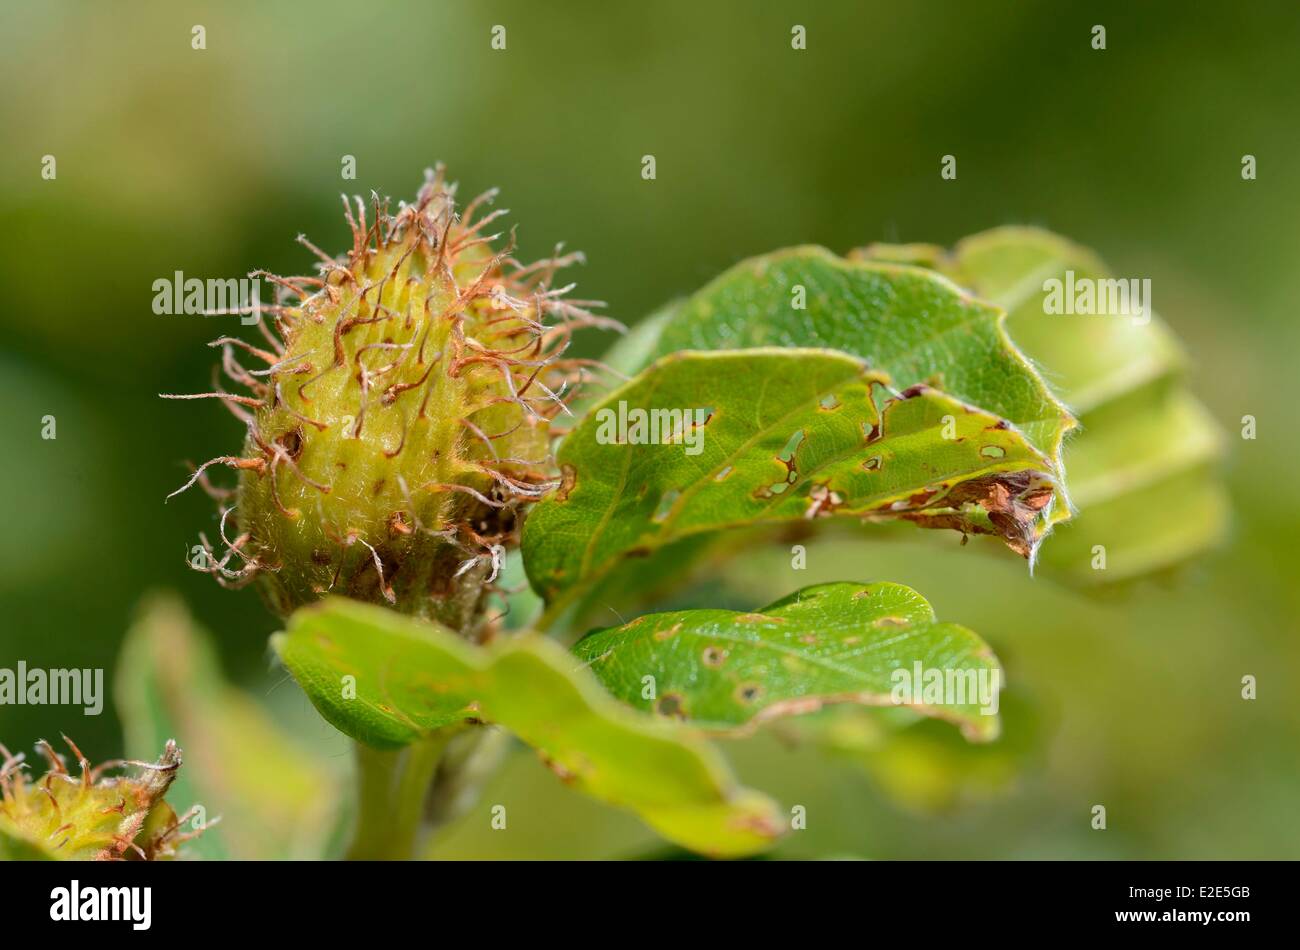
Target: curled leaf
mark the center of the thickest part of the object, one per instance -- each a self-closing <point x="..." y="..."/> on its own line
<point x="870" y="644"/>
<point x="908" y="322"/>
<point x="770" y="436"/>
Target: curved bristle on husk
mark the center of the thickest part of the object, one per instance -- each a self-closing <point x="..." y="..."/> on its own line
<point x="400" y="416"/>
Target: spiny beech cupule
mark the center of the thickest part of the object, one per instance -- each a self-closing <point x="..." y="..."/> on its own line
<point x="400" y="409"/>
<point x="88" y="814"/>
<point x="400" y="416"/>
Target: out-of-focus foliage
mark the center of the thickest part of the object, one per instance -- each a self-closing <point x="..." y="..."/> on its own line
<point x="924" y="765"/>
<point x="275" y="799"/>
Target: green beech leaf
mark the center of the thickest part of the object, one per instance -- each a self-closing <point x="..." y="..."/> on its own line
<point x="832" y="643"/>
<point x="905" y="321"/>
<point x="776" y="435"/>
<point x="387" y="680"/>
<point x="1143" y="470"/>
<point x="274" y="799"/>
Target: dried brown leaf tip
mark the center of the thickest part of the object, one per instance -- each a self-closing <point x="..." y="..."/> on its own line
<point x="1007" y="505"/>
<point x="400" y="417"/>
<point x="80" y="812"/>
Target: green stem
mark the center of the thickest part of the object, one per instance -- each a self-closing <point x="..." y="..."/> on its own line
<point x="553" y="612"/>
<point x="391" y="787"/>
<point x="470" y="761"/>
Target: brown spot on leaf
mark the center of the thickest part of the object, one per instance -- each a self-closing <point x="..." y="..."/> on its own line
<point x="714" y="657"/>
<point x="669" y="633"/>
<point x="562" y="773"/>
<point x="671" y="705"/>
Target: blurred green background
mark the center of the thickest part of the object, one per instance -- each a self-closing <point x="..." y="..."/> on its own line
<point x="211" y="161"/>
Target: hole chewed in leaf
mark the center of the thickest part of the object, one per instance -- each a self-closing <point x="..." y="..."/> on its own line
<point x="787" y="455"/>
<point x="665" y="506"/>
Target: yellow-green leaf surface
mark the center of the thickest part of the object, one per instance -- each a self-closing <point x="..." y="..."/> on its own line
<point x="832" y="643"/>
<point x="274" y="799"/>
<point x="1143" y="468"/>
<point x="778" y="435"/>
<point x="387" y="681"/>
<point x="908" y="322"/>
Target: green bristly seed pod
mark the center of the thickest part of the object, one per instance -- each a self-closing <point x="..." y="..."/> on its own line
<point x="401" y="421"/>
<point x="88" y="815"/>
